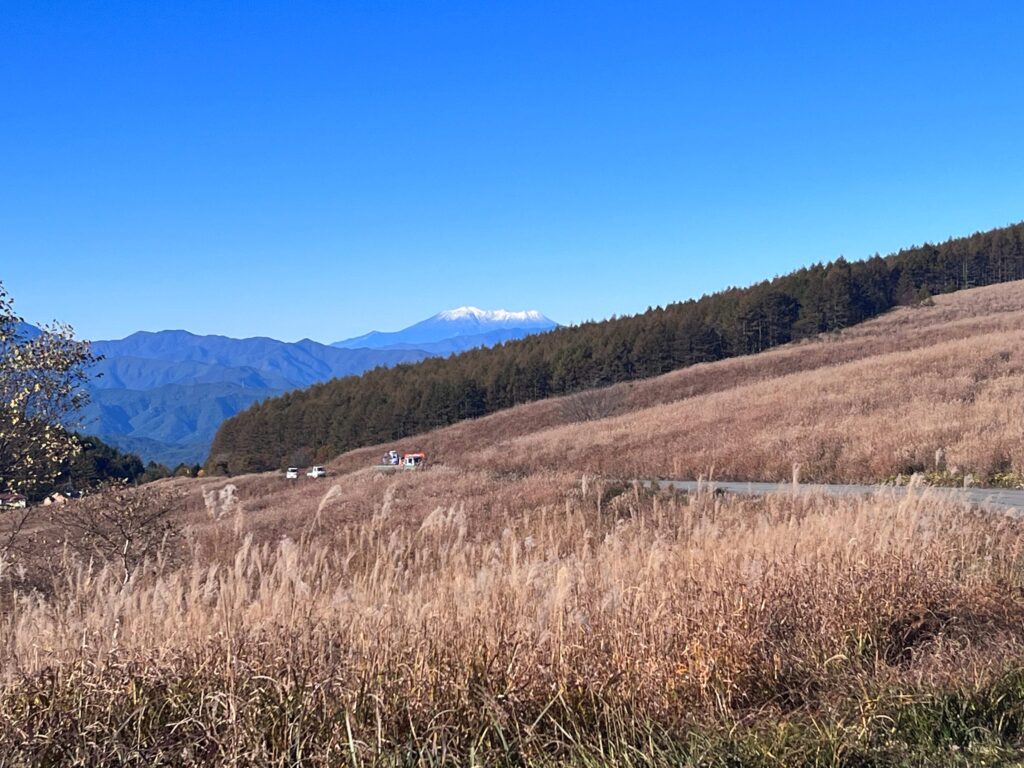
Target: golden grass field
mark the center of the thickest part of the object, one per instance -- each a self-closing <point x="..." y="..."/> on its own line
<point x="524" y="601"/>
<point x="876" y="400"/>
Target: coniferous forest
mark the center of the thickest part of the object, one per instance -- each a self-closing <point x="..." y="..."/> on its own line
<point x="97" y="465"/>
<point x="391" y="403"/>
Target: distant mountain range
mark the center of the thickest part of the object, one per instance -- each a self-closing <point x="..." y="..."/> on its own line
<point x="164" y="394"/>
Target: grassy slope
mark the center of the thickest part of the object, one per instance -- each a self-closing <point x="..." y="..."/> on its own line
<point x="509" y="606"/>
<point x="876" y="400"/>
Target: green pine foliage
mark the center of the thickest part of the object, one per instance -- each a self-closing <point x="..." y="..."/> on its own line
<point x="98" y="464"/>
<point x="392" y="403"/>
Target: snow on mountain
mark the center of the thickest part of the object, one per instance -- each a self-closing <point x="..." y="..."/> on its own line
<point x="452" y="325"/>
<point x="492" y="317"/>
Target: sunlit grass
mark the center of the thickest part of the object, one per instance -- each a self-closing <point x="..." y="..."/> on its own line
<point x="610" y="628"/>
<point x="527" y="601"/>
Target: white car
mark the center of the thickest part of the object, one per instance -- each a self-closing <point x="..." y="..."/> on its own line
<point x="317" y="472"/>
<point x="292" y="473"/>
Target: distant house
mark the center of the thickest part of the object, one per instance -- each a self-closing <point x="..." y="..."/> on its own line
<point x="12" y="501"/>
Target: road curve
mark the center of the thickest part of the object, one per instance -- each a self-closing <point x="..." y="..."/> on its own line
<point x="993" y="499"/>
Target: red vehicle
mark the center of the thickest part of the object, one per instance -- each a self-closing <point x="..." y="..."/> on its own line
<point x="394" y="460"/>
<point x="413" y="460"/>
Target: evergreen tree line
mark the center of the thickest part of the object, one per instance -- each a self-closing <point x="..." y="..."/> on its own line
<point x="98" y="464"/>
<point x="390" y="403"/>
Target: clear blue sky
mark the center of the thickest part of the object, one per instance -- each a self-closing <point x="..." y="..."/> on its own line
<point x="301" y="169"/>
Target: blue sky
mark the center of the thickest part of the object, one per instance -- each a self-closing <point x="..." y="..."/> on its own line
<point x="298" y="169"/>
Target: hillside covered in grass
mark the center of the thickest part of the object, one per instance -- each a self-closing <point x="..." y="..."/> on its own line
<point x="382" y="405"/>
<point x="936" y="387"/>
<point x="523" y="601"/>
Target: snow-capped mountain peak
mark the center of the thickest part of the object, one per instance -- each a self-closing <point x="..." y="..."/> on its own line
<point x="460" y="328"/>
<point x="493" y="315"/>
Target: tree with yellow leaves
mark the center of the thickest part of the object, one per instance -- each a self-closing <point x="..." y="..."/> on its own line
<point x="43" y="373"/>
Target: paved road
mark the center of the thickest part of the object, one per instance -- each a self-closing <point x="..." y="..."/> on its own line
<point x="995" y="499"/>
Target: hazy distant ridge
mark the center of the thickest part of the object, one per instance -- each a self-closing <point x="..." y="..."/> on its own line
<point x="164" y="394"/>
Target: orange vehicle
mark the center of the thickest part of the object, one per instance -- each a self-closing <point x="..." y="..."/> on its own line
<point x="393" y="460"/>
<point x="413" y="460"/>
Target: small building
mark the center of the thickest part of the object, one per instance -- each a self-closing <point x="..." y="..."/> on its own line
<point x="55" y="498"/>
<point x="12" y="501"/>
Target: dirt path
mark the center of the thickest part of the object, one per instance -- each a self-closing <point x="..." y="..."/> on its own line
<point x="995" y="499"/>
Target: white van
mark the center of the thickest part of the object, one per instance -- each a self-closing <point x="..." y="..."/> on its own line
<point x="292" y="473"/>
